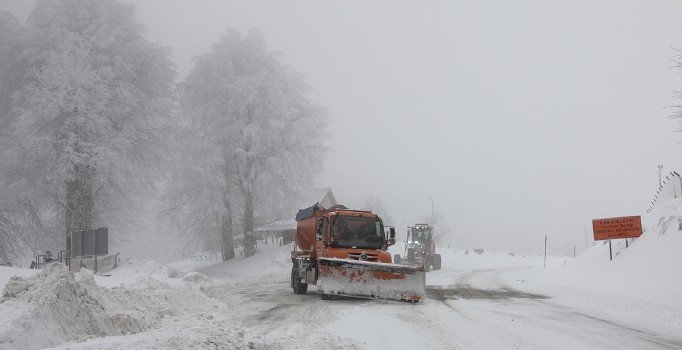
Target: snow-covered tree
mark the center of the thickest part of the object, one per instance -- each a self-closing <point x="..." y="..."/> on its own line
<point x="12" y="68"/>
<point x="441" y="230"/>
<point x="197" y="200"/>
<point x="677" y="60"/>
<point x="376" y="205"/>
<point x="259" y="134"/>
<point x="88" y="126"/>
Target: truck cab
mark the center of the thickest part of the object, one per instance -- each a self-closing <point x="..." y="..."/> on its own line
<point x="344" y="252"/>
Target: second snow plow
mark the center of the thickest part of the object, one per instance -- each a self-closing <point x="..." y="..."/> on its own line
<point x="343" y="252"/>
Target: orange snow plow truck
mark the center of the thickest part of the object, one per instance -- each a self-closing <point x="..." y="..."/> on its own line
<point x="343" y="252"/>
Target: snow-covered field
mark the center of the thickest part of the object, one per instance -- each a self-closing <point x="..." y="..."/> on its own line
<point x="489" y="301"/>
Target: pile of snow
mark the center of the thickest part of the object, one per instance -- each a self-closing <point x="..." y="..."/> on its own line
<point x="7" y="272"/>
<point x="56" y="306"/>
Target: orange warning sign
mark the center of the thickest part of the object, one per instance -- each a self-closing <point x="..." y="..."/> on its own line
<point x="612" y="228"/>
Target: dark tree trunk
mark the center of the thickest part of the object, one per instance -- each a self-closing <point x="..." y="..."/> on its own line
<point x="79" y="205"/>
<point x="249" y="239"/>
<point x="227" y="243"/>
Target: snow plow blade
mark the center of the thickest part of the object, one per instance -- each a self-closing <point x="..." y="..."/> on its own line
<point x="365" y="279"/>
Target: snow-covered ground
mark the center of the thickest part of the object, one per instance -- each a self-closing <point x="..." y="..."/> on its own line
<point x="489" y="301"/>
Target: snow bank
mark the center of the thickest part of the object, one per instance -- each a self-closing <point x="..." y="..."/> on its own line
<point x="272" y="263"/>
<point x="648" y="270"/>
<point x="188" y="333"/>
<point x="7" y="272"/>
<point x="641" y="287"/>
<point x="55" y="306"/>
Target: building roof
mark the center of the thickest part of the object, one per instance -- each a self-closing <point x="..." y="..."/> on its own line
<point x="306" y="198"/>
<point x="278" y="226"/>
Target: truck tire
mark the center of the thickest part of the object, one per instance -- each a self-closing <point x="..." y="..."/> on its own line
<point x="436" y="262"/>
<point x="298" y="287"/>
<point x="396" y="259"/>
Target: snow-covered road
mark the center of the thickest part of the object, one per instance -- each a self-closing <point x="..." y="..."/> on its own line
<point x="493" y="301"/>
<point x="489" y="314"/>
<point x="466" y="309"/>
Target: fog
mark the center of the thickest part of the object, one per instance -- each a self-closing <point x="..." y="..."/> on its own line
<point x="519" y="120"/>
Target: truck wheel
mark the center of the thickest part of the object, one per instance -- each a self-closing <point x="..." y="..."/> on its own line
<point x="298" y="287"/>
<point x="436" y="262"/>
<point x="396" y="259"/>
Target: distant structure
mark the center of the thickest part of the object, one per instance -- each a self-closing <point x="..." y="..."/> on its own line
<point x="306" y="198"/>
<point x="286" y="228"/>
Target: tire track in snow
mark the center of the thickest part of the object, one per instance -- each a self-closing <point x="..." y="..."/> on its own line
<point x="508" y="318"/>
<point x="275" y="318"/>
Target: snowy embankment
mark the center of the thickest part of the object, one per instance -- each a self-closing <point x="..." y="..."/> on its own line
<point x="142" y="304"/>
<point x="272" y="263"/>
<point x="641" y="287"/>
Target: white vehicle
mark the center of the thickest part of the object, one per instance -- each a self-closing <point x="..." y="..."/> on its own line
<point x="420" y="248"/>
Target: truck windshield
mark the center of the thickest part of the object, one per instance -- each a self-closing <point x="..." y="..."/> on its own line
<point x="358" y="232"/>
<point x="421" y="234"/>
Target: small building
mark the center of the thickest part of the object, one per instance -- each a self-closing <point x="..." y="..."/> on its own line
<point x="286" y="229"/>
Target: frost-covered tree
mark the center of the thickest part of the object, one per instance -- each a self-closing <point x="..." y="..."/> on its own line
<point x="197" y="200"/>
<point x="88" y="125"/>
<point x="677" y="60"/>
<point x="376" y="205"/>
<point x="252" y="117"/>
<point x="441" y="230"/>
<point x="10" y="31"/>
<point x="12" y="68"/>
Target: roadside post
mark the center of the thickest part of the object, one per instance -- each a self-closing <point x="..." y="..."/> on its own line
<point x="615" y="228"/>
<point x="544" y="263"/>
<point x="610" y="252"/>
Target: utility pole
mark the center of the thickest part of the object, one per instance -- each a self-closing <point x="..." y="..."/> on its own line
<point x="585" y="234"/>
<point x="431" y="210"/>
<point x="660" y="167"/>
<point x="544" y="263"/>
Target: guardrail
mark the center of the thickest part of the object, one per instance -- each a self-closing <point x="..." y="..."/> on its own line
<point x="671" y="187"/>
<point x="202" y="256"/>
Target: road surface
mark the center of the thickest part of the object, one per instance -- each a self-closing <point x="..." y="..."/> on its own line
<point x="465" y="309"/>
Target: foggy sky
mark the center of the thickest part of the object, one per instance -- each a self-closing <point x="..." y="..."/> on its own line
<point x="519" y="119"/>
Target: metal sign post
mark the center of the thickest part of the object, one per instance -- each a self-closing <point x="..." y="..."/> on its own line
<point x="614" y="228"/>
<point x="610" y="252"/>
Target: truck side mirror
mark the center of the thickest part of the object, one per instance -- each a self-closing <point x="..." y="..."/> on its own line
<point x="391" y="236"/>
<point x="318" y="229"/>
